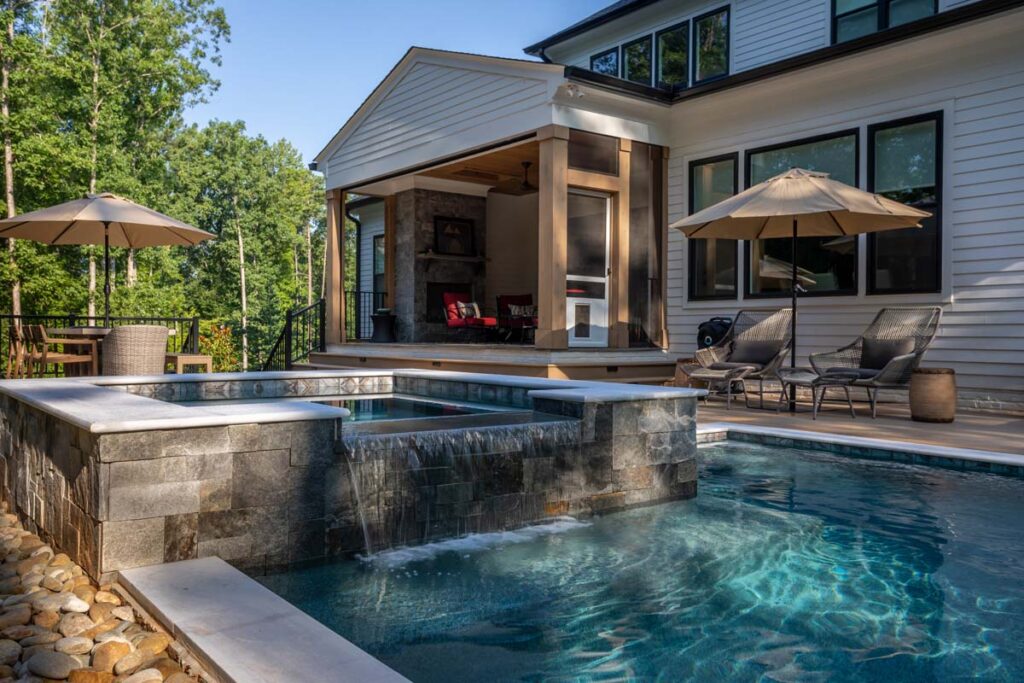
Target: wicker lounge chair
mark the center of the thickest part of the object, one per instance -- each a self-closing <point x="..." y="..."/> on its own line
<point x="135" y="350"/>
<point x="888" y="351"/>
<point x="752" y="349"/>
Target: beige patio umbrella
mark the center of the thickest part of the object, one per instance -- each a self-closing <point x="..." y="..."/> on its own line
<point x="799" y="203"/>
<point x="102" y="219"/>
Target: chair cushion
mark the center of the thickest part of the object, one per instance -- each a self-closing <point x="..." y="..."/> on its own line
<point x="468" y="309"/>
<point x="477" y="321"/>
<point x="861" y="373"/>
<point x="732" y="366"/>
<point x="750" y="351"/>
<point x="877" y="353"/>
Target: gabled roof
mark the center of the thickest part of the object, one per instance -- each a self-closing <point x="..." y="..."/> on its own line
<point x="609" y="13"/>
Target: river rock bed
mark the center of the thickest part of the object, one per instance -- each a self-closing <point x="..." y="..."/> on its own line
<point x="57" y="625"/>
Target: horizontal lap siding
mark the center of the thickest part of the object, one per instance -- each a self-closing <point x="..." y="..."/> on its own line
<point x="432" y="103"/>
<point x="982" y="334"/>
<point x="768" y="31"/>
<point x="371" y="224"/>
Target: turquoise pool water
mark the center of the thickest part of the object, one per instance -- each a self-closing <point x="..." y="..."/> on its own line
<point x="789" y="566"/>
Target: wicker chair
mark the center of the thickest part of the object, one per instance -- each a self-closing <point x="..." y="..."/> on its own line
<point x="135" y="350"/>
<point x="888" y="351"/>
<point x="753" y="348"/>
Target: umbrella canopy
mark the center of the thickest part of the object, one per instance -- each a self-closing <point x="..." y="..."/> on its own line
<point x="102" y="219"/>
<point x="96" y="216"/>
<point x="810" y="201"/>
<point x="799" y="203"/>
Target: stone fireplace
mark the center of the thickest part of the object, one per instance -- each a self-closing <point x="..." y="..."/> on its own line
<point x="423" y="274"/>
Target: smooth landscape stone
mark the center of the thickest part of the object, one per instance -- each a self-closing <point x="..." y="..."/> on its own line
<point x="178" y="678"/>
<point x="130" y="662"/>
<point x="74" y="623"/>
<point x="10" y="651"/>
<point x="123" y="613"/>
<point x="106" y="655"/>
<point x="41" y="639"/>
<point x="15" y="616"/>
<point x="108" y="598"/>
<point x="52" y="665"/>
<point x="153" y="644"/>
<point x="90" y="676"/>
<point x="145" y="676"/>
<point x="75" y="645"/>
<point x="75" y="604"/>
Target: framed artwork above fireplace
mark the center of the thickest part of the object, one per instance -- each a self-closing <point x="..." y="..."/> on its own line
<point x="453" y="236"/>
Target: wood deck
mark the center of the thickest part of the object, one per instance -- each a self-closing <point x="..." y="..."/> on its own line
<point x="1003" y="433"/>
<point x="642" y="366"/>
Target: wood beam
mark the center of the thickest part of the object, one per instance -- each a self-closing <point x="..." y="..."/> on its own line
<point x="334" y="268"/>
<point x="552" y="251"/>
<point x="618" y="309"/>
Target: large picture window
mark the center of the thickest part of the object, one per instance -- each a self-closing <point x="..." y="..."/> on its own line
<point x="825" y="265"/>
<point x="637" y="61"/>
<point x="712" y="262"/>
<point x="672" y="56"/>
<point x="711" y="45"/>
<point x="606" y="63"/>
<point x="855" y="18"/>
<point x="905" y="164"/>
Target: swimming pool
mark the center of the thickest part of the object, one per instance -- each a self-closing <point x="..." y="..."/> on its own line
<point x="789" y="565"/>
<point x="375" y="407"/>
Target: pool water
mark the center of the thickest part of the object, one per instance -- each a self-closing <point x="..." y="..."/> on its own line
<point x="397" y="408"/>
<point x="788" y="566"/>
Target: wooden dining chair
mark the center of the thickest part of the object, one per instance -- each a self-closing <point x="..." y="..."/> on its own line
<point x="40" y="355"/>
<point x="15" y="351"/>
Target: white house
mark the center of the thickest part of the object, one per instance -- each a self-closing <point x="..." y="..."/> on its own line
<point x="652" y="109"/>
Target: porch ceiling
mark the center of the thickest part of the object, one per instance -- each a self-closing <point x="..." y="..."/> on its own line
<point x="501" y="170"/>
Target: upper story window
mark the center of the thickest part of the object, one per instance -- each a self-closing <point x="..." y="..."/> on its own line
<point x="855" y="18"/>
<point x="711" y="45"/>
<point x="637" y="61"/>
<point x="672" y="56"/>
<point x="606" y="63"/>
<point x="687" y="53"/>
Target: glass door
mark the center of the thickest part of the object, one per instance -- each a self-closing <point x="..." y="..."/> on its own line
<point x="586" y="283"/>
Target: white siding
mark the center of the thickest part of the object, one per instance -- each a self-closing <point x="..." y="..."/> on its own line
<point x="762" y="32"/>
<point x="436" y="110"/>
<point x="371" y="224"/>
<point x="975" y="75"/>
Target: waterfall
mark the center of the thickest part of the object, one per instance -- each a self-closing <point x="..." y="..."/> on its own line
<point x="360" y="511"/>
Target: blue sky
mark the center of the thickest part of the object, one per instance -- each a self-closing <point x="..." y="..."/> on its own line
<point x="297" y="69"/>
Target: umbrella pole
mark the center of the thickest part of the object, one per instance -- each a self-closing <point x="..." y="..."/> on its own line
<point x="106" y="274"/>
<point x="792" y="319"/>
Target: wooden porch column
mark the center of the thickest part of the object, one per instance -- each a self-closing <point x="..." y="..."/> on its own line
<point x="618" y="292"/>
<point x="334" y="268"/>
<point x="390" y="206"/>
<point x="552" y="226"/>
<point x="661" y="206"/>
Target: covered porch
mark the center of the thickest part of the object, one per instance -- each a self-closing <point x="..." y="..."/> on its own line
<point x="539" y="253"/>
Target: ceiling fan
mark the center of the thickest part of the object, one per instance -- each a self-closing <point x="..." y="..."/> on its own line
<point x="516" y="186"/>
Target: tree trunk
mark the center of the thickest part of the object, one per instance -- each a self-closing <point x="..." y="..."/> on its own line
<point x="5" y="113"/>
<point x="241" y="286"/>
<point x="131" y="272"/>
<point x="309" y="263"/>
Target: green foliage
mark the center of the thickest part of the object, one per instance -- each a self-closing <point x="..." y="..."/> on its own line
<point x="216" y="340"/>
<point x="97" y="91"/>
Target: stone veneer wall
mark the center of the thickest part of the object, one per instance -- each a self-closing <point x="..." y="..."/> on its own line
<point x="264" y="496"/>
<point x="414" y="234"/>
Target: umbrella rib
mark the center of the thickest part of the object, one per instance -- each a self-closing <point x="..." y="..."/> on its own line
<point x="693" y="234"/>
<point x="63" y="232"/>
<point x="12" y="227"/>
<point x="764" y="226"/>
<point x="838" y="225"/>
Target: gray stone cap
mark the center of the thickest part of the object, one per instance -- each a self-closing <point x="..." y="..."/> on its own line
<point x="102" y="410"/>
<point x="241" y="631"/>
<point x="261" y="376"/>
<point x="726" y="428"/>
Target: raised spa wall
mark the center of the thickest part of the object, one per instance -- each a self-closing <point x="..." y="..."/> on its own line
<point x="116" y="474"/>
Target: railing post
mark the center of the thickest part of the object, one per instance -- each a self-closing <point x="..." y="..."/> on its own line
<point x="288" y="341"/>
<point x="323" y="325"/>
<point x="193" y="335"/>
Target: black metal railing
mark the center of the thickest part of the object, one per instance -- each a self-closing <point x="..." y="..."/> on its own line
<point x="183" y="337"/>
<point x="305" y="331"/>
<point x="359" y="306"/>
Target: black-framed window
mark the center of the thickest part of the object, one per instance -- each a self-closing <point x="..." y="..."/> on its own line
<point x="855" y="18"/>
<point x="712" y="263"/>
<point x="379" y="281"/>
<point x="606" y="62"/>
<point x="672" y="56"/>
<point x="825" y="265"/>
<point x="711" y="45"/>
<point x="637" y="60"/>
<point x="905" y="164"/>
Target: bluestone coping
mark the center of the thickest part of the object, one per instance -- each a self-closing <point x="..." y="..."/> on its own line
<point x="242" y="632"/>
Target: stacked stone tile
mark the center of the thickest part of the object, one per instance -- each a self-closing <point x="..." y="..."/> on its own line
<point x="56" y="625"/>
